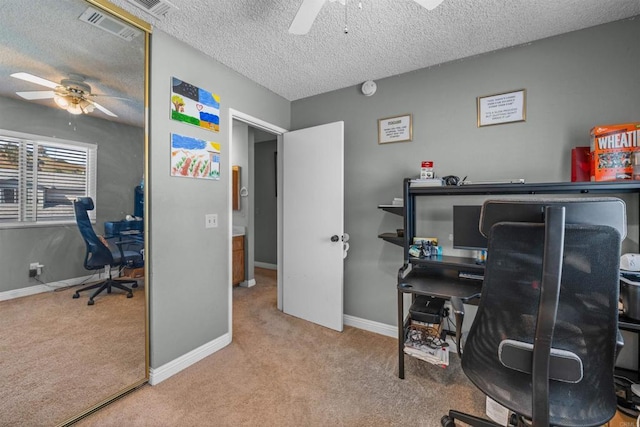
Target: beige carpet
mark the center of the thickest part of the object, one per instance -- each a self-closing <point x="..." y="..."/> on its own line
<point x="283" y="371"/>
<point x="59" y="356"/>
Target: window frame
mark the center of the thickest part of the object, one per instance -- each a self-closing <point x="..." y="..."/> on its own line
<point x="91" y="168"/>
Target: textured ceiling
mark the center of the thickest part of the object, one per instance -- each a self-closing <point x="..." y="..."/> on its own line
<point x="385" y="38"/>
<point x="45" y="38"/>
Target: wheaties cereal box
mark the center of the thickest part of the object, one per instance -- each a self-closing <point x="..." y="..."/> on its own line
<point x="612" y="148"/>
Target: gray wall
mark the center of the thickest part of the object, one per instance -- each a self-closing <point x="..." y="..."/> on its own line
<point x="120" y="167"/>
<point x="190" y="277"/>
<point x="266" y="225"/>
<point x="573" y="82"/>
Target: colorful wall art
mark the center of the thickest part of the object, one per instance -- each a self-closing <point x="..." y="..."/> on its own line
<point x="190" y="104"/>
<point x="194" y="158"/>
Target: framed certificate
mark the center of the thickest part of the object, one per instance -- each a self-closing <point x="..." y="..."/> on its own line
<point x="502" y="108"/>
<point x="395" y="129"/>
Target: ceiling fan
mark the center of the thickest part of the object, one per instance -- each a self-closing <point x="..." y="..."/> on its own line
<point x="71" y="94"/>
<point x="310" y="8"/>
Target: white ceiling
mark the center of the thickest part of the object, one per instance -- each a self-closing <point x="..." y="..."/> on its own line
<point x="386" y="37"/>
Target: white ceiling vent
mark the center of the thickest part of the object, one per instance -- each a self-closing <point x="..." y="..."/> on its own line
<point x="109" y="24"/>
<point x="157" y="8"/>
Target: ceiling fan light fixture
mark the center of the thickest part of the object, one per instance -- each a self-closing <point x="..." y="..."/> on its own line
<point x="75" y="109"/>
<point x="61" y="101"/>
<point x="86" y="106"/>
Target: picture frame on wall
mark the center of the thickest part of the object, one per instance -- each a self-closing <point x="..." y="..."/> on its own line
<point x="501" y="108"/>
<point x="395" y="129"/>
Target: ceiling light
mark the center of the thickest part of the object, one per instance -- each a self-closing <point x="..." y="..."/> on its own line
<point x="86" y="106"/>
<point x="61" y="100"/>
<point x="74" y="109"/>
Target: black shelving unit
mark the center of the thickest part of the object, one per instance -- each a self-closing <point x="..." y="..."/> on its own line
<point x="438" y="276"/>
<point x="392" y="237"/>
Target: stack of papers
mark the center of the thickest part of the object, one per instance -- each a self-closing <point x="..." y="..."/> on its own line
<point x="417" y="183"/>
<point x="436" y="356"/>
<point x="397" y="201"/>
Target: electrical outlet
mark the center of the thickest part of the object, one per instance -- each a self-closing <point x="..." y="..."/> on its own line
<point x="33" y="269"/>
<point x="211" y="220"/>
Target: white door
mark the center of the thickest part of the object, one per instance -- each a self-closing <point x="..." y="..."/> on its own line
<point x="312" y="224"/>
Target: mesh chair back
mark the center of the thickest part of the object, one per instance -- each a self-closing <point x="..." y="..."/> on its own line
<point x="586" y="323"/>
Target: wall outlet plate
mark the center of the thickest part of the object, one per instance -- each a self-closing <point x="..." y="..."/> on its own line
<point x="211" y="220"/>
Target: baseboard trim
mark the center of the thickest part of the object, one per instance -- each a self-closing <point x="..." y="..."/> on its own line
<point x="46" y="287"/>
<point x="265" y="265"/>
<point x="157" y="375"/>
<point x="248" y="283"/>
<point x="371" y="326"/>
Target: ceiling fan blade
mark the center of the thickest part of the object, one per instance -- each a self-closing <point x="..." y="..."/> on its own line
<point x="107" y="96"/>
<point x="36" y="94"/>
<point x="35" y="79"/>
<point x="101" y="108"/>
<point x="429" y="4"/>
<point x="306" y="15"/>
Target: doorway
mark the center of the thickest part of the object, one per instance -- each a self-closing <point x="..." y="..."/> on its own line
<point x="247" y="132"/>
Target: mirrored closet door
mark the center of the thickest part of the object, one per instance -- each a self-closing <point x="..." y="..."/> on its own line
<point x="72" y="124"/>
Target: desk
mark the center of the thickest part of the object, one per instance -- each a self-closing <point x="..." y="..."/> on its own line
<point x="123" y="228"/>
<point x="627" y="324"/>
<point x="442" y="282"/>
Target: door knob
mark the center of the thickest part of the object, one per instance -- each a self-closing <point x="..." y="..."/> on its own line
<point x="335" y="238"/>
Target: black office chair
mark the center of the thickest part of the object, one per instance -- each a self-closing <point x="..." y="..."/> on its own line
<point x="545" y="337"/>
<point x="98" y="256"/>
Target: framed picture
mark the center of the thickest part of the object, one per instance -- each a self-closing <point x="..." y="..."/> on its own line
<point x="507" y="107"/>
<point x="395" y="129"/>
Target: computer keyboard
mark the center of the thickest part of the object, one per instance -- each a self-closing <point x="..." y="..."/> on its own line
<point x="470" y="275"/>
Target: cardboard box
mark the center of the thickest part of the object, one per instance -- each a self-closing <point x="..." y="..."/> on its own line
<point x="612" y="148"/>
<point x="621" y="420"/>
<point x="134" y="273"/>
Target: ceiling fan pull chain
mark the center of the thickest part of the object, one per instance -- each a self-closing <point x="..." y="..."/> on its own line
<point x="346" y="8"/>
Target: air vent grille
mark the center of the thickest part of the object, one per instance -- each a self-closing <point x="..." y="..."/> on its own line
<point x="109" y="24"/>
<point x="157" y="8"/>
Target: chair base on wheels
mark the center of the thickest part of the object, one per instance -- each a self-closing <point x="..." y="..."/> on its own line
<point x="107" y="285"/>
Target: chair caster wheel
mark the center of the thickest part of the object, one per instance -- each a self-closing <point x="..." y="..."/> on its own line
<point x="135" y="285"/>
<point x="446" y="421"/>
<point x="129" y="295"/>
<point x="76" y="296"/>
<point x="91" y="302"/>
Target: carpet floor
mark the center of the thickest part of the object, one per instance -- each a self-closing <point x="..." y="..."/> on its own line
<point x="283" y="371"/>
<point x="59" y="356"/>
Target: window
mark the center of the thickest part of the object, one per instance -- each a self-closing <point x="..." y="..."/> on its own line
<point x="40" y="178"/>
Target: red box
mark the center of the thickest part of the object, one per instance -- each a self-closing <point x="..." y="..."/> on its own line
<point x="580" y="164"/>
<point x="612" y="148"/>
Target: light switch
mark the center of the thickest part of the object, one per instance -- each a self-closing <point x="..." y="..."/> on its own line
<point x="210" y="220"/>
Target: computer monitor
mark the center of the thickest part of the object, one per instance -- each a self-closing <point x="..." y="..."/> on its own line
<point x="466" y="228"/>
